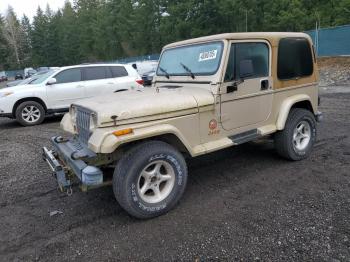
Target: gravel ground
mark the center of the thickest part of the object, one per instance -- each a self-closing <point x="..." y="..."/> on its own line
<point x="334" y="71"/>
<point x="243" y="203"/>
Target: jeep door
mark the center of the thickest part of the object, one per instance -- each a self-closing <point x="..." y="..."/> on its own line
<point x="246" y="92"/>
<point x="68" y="88"/>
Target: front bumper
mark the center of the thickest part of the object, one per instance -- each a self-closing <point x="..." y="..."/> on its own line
<point x="67" y="163"/>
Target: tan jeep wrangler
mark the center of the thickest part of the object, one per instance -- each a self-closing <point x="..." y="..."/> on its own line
<point x="208" y="94"/>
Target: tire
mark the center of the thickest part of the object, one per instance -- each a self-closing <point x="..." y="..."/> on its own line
<point x="30" y="113"/>
<point x="139" y="165"/>
<point x="296" y="141"/>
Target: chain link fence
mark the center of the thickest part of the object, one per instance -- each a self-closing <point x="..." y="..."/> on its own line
<point x="333" y="41"/>
<point x="152" y="57"/>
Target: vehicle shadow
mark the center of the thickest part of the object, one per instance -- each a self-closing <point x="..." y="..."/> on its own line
<point x="8" y="124"/>
<point x="213" y="171"/>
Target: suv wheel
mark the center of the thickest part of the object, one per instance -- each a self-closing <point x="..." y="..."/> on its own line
<point x="30" y="113"/>
<point x="295" y="142"/>
<point x="150" y="179"/>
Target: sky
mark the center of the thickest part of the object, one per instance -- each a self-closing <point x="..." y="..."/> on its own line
<point x="29" y="7"/>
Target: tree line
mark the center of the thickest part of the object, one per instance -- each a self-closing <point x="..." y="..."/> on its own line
<point x="104" y="30"/>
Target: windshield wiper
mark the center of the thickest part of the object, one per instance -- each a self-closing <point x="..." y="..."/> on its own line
<point x="188" y="70"/>
<point x="165" y="72"/>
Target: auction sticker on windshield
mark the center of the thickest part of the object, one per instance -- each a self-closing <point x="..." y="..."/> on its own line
<point x="209" y="55"/>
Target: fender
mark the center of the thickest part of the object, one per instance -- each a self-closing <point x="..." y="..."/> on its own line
<point x="37" y="99"/>
<point x="286" y="106"/>
<point x="67" y="125"/>
<point x="109" y="143"/>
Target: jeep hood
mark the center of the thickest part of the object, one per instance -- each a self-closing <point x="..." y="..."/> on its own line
<point x="147" y="104"/>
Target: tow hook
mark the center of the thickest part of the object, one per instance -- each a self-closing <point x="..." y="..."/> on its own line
<point x="319" y="117"/>
<point x="60" y="139"/>
<point x="68" y="190"/>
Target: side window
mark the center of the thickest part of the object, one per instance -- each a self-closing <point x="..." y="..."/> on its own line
<point x="95" y="73"/>
<point x="118" y="71"/>
<point x="257" y="53"/>
<point x="69" y="76"/>
<point x="294" y="58"/>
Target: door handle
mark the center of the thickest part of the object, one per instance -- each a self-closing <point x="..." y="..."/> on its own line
<point x="264" y="84"/>
<point x="110" y="83"/>
<point x="79" y="86"/>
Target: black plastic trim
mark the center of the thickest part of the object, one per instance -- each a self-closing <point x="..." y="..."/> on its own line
<point x="245" y="137"/>
<point x="184" y="82"/>
<point x="9" y="115"/>
<point x="57" y="111"/>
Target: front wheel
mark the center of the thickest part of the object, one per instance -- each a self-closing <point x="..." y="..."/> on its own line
<point x="150" y="179"/>
<point x="30" y="113"/>
<point x="296" y="141"/>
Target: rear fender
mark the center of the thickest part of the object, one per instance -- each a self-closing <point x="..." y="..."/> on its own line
<point x="287" y="105"/>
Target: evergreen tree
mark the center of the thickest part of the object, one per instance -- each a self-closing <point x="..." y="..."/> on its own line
<point x="40" y="42"/>
<point x="25" y="45"/>
<point x="103" y="30"/>
<point x="122" y="27"/>
<point x="12" y="34"/>
<point x="69" y="38"/>
<point x="53" y="37"/>
<point x="3" y="46"/>
<point x="87" y="27"/>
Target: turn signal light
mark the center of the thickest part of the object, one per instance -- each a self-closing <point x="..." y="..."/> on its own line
<point x="123" y="132"/>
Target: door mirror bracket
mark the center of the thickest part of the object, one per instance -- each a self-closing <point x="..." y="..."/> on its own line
<point x="51" y="81"/>
<point x="234" y="87"/>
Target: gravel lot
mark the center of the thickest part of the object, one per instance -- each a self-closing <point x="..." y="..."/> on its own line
<point x="243" y="203"/>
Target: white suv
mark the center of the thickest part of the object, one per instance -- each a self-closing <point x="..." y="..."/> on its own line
<point x="56" y="90"/>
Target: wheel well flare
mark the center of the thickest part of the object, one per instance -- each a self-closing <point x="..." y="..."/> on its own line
<point x="35" y="99"/>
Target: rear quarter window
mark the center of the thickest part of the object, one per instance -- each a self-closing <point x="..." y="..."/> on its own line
<point x="294" y="58"/>
<point x="118" y="71"/>
<point x="95" y="73"/>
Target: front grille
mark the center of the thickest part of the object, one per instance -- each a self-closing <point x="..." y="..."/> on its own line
<point x="83" y="124"/>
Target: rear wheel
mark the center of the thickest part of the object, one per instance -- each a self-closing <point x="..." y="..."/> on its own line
<point x="30" y="113"/>
<point x="150" y="179"/>
<point x="296" y="141"/>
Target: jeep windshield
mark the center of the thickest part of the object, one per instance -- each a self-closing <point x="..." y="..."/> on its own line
<point x="197" y="59"/>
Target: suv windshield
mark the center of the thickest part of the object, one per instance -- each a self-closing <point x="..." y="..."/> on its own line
<point x="43" y="77"/>
<point x="200" y="59"/>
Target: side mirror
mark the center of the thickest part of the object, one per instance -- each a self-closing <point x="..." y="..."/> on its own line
<point x="246" y="69"/>
<point x="51" y="81"/>
<point x="134" y="66"/>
